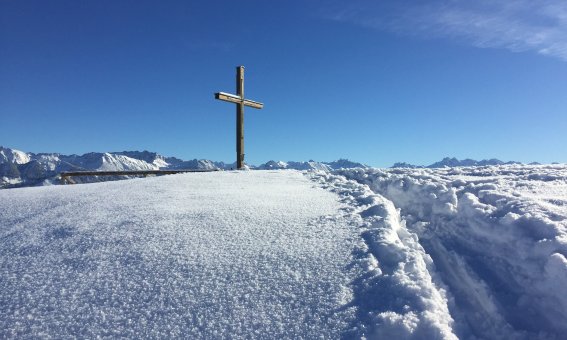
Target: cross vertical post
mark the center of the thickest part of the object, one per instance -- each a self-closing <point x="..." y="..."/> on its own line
<point x="240" y="102"/>
<point x="240" y="117"/>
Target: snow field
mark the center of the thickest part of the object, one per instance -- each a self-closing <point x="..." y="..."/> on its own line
<point x="469" y="253"/>
<point x="259" y="254"/>
<point x="498" y="238"/>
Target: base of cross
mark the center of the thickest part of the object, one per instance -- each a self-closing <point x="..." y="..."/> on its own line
<point x="66" y="177"/>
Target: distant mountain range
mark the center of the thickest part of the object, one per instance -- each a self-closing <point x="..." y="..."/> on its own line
<point x="18" y="168"/>
<point x="453" y="162"/>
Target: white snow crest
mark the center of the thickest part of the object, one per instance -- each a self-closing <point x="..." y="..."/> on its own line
<point x="395" y="296"/>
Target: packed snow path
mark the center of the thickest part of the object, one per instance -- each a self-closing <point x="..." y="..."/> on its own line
<point x="207" y="255"/>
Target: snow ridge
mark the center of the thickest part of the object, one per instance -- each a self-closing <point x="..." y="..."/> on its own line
<point x="395" y="295"/>
<point x="498" y="238"/>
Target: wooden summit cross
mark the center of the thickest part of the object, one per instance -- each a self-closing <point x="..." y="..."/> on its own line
<point x="240" y="102"/>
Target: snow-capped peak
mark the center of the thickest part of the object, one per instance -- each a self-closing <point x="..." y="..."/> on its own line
<point x="8" y="155"/>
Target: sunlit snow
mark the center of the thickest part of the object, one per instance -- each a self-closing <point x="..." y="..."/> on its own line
<point x="456" y="252"/>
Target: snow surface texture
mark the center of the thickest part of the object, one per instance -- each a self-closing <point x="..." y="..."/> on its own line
<point x="206" y="255"/>
<point x="497" y="238"/>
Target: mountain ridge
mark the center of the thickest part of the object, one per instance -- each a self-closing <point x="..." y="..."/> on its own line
<point x="454" y="162"/>
<point x="18" y="168"/>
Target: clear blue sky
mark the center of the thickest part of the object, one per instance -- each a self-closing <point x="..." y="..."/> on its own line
<point x="372" y="81"/>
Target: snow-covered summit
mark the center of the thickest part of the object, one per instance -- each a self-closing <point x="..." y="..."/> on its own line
<point x="8" y="155"/>
<point x="312" y="165"/>
<point x="309" y="165"/>
<point x="345" y="164"/>
<point x="202" y="164"/>
<point x="453" y="162"/>
<point x="273" y="165"/>
<point x="152" y="158"/>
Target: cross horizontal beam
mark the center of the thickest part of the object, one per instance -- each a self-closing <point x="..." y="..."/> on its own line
<point x="227" y="97"/>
